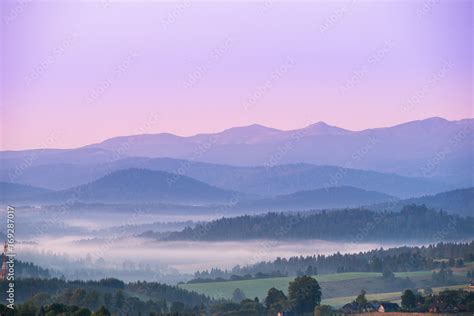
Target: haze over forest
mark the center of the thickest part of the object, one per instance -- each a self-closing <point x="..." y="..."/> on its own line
<point x="237" y="158"/>
<point x="152" y="186"/>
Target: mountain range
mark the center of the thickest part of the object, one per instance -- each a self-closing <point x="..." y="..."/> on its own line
<point x="163" y="191"/>
<point x="14" y="191"/>
<point x="328" y="198"/>
<point x="147" y="186"/>
<point x="142" y="186"/>
<point x="263" y="181"/>
<point x="432" y="148"/>
<point x="460" y="201"/>
<point x="257" y="168"/>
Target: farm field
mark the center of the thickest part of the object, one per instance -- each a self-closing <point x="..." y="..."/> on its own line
<point x="260" y="287"/>
<point x="333" y="286"/>
<point x="390" y="296"/>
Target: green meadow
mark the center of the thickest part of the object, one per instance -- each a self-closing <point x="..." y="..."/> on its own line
<point x="390" y="296"/>
<point x="338" y="288"/>
<point x="258" y="288"/>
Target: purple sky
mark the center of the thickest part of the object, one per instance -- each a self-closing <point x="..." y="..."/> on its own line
<point x="87" y="71"/>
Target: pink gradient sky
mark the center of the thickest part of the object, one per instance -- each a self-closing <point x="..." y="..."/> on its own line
<point x="356" y="66"/>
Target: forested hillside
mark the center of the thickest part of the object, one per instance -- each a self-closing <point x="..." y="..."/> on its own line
<point x="460" y="201"/>
<point x="399" y="259"/>
<point x="412" y="223"/>
<point x="114" y="294"/>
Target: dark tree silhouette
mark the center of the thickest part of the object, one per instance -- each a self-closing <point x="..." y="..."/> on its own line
<point x="408" y="300"/>
<point x="274" y="297"/>
<point x="238" y="295"/>
<point x="304" y="294"/>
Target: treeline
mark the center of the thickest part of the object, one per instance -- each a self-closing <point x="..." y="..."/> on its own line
<point x="235" y="277"/>
<point x="447" y="301"/>
<point x="304" y="294"/>
<point x="303" y="297"/>
<point x="59" y="309"/>
<point x="167" y="292"/>
<point x="412" y="223"/>
<point x="400" y="259"/>
<point x="28" y="270"/>
<point x="27" y="288"/>
<point x="116" y="302"/>
<point x="114" y="294"/>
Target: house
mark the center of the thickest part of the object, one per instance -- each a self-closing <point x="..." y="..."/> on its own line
<point x="350" y="308"/>
<point x="354" y="308"/>
<point x="387" y="307"/>
<point x="369" y="307"/>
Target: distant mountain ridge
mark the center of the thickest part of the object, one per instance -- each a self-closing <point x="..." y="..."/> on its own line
<point x="409" y="149"/>
<point x="265" y="181"/>
<point x="160" y="190"/>
<point x="460" y="201"/>
<point x="352" y="225"/>
<point x="10" y="192"/>
<point x="328" y="198"/>
<point x="140" y="185"/>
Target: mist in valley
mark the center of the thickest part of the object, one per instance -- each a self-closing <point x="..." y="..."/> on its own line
<point x="88" y="245"/>
<point x="126" y="257"/>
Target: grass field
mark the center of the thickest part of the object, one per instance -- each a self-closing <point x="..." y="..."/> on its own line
<point x="259" y="288"/>
<point x="391" y="296"/>
<point x="329" y="282"/>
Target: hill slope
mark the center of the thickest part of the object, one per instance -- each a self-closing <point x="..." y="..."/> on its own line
<point x="459" y="201"/>
<point x="413" y="223"/>
<point x="405" y="149"/>
<point x="140" y="185"/>
<point x="265" y="181"/>
<point x="335" y="197"/>
<point x="14" y="191"/>
<point x="408" y="149"/>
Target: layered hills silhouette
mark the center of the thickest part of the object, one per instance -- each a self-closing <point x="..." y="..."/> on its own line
<point x="14" y="191"/>
<point x="328" y="198"/>
<point x="167" y="191"/>
<point x="264" y="181"/>
<point x="460" y="201"/>
<point x="257" y="167"/>
<point x="431" y="148"/>
<point x="142" y="186"/>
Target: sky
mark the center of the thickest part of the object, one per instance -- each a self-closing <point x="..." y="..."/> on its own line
<point x="75" y="73"/>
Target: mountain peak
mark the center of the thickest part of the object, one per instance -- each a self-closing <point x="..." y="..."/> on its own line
<point x="431" y="122"/>
<point x="320" y="124"/>
<point x="145" y="185"/>
<point x="252" y="127"/>
<point x="246" y="134"/>
<point x="435" y="119"/>
<point x="322" y="128"/>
